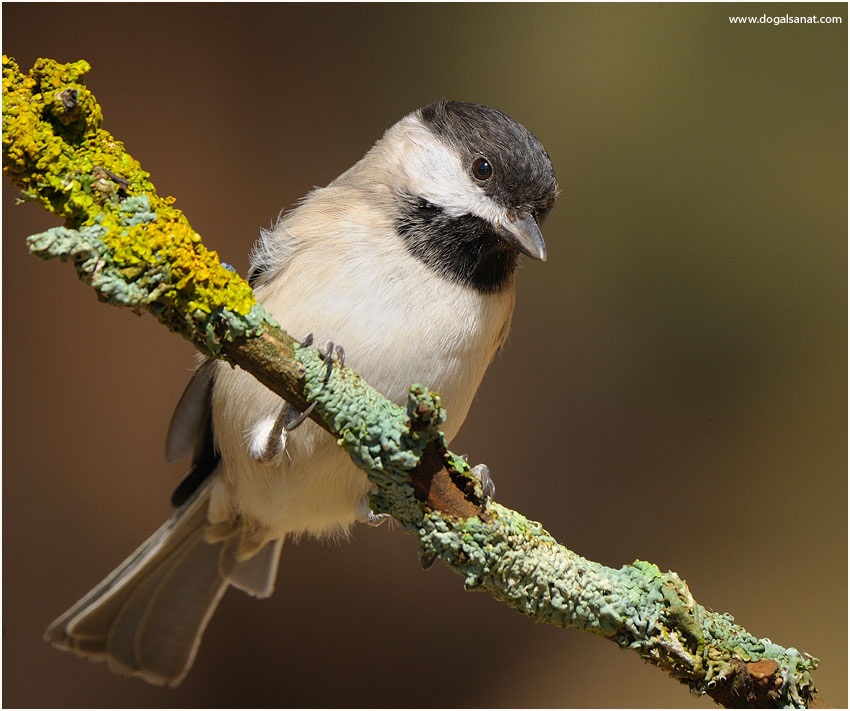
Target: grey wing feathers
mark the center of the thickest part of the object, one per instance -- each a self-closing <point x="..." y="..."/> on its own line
<point x="191" y="413"/>
<point x="192" y="426"/>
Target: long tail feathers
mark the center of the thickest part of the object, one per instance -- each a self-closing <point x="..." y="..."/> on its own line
<point x="147" y="617"/>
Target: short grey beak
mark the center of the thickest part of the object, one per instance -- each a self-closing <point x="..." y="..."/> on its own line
<point x="523" y="233"/>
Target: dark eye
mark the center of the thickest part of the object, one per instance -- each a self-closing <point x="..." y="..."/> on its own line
<point x="482" y="169"/>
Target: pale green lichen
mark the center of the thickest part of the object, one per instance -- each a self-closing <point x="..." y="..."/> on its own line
<point x="379" y="435"/>
<point x="147" y="255"/>
<point x="638" y="606"/>
<point x="518" y="561"/>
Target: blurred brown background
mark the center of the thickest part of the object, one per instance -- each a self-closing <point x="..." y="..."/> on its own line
<point x="674" y="388"/>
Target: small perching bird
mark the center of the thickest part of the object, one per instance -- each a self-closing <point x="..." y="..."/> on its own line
<point x="408" y="259"/>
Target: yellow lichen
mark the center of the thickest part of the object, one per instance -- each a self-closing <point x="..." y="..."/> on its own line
<point x="56" y="150"/>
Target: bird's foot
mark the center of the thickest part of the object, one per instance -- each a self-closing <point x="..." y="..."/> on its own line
<point x="482" y="473"/>
<point x="373" y="519"/>
<point x="331" y="353"/>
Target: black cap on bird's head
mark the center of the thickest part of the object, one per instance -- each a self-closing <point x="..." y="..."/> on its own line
<point x="509" y="190"/>
<point x="520" y="176"/>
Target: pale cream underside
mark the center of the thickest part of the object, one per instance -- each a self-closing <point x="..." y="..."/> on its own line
<point x="398" y="323"/>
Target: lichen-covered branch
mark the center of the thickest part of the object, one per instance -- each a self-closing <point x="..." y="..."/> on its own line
<point x="135" y="249"/>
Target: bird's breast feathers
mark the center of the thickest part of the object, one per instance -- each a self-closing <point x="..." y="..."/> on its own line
<point x="398" y="324"/>
<point x="362" y="289"/>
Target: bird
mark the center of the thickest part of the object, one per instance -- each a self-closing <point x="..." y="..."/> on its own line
<point x="408" y="259"/>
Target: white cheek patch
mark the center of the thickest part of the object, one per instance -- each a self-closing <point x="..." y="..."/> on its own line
<point x="434" y="172"/>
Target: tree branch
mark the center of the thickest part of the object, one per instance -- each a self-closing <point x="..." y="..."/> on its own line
<point x="135" y="249"/>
